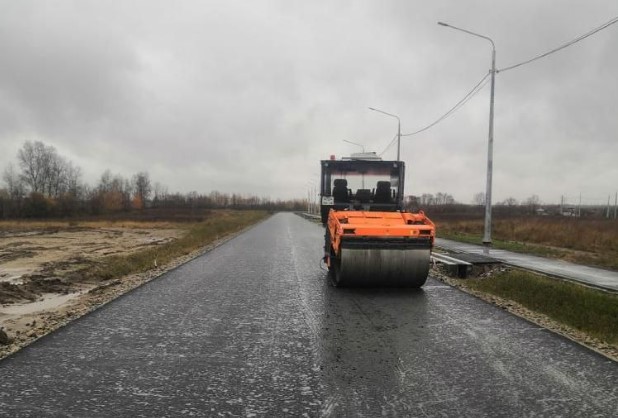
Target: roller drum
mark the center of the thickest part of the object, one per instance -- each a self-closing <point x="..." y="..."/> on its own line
<point x="377" y="267"/>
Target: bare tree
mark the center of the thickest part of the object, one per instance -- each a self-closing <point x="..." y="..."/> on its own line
<point x="533" y="202"/>
<point x="34" y="162"/>
<point x="44" y="171"/>
<point x="114" y="192"/>
<point x="14" y="184"/>
<point x="444" y="199"/>
<point x="160" y="193"/>
<point x="479" y="199"/>
<point x="427" y="199"/>
<point x="219" y="199"/>
<point x="105" y="183"/>
<point x="127" y="193"/>
<point x="510" y="201"/>
<point x="142" y="187"/>
<point x="55" y="174"/>
<point x="73" y="176"/>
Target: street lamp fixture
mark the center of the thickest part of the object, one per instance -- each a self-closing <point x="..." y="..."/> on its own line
<point x="490" y="143"/>
<point x="398" y="128"/>
<point x="355" y="143"/>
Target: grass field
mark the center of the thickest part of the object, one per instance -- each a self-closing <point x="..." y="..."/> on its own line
<point x="585" y="241"/>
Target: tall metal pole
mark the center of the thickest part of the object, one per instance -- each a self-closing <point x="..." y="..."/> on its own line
<point x="490" y="152"/>
<point x="490" y="142"/>
<point x="398" y="129"/>
<point x="314" y="192"/>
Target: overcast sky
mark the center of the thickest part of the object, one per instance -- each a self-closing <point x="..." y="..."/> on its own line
<point x="248" y="96"/>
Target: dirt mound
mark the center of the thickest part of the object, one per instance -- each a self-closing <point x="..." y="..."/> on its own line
<point x="10" y="293"/>
<point x="42" y="284"/>
<point x="31" y="288"/>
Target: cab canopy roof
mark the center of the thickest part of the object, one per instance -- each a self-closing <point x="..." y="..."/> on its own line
<point x="363" y="156"/>
<point x="371" y="167"/>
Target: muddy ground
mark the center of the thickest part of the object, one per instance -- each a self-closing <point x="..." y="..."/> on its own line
<point x="35" y="262"/>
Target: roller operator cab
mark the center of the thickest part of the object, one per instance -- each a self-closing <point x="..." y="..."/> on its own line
<point x="369" y="239"/>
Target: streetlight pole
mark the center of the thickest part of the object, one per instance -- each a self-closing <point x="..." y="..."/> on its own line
<point x="311" y="194"/>
<point x="490" y="142"/>
<point x="398" y="128"/>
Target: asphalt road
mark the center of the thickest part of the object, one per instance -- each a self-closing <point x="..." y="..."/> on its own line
<point x="254" y="329"/>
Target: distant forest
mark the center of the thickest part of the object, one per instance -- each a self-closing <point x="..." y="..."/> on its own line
<point x="44" y="184"/>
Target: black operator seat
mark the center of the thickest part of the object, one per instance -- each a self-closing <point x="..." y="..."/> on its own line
<point x="383" y="192"/>
<point x="340" y="191"/>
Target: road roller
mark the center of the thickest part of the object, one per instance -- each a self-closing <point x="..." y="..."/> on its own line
<point x="370" y="240"/>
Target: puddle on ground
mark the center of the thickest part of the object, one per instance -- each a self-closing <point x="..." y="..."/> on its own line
<point x="47" y="301"/>
<point x="13" y="275"/>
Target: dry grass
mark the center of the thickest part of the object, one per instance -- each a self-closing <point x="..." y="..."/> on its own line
<point x="587" y="241"/>
<point x="28" y="225"/>
<point x="144" y="219"/>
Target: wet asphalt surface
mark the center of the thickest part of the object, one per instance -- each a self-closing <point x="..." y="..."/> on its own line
<point x="254" y="329"/>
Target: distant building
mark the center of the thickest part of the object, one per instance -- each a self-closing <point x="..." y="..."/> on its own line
<point x="569" y="211"/>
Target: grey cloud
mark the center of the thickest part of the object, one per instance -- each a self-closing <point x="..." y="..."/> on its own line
<point x="247" y="97"/>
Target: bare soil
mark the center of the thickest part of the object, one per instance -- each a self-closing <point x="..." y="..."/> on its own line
<point x="32" y="259"/>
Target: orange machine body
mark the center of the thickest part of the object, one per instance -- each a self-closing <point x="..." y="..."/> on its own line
<point x="370" y="239"/>
<point x="397" y="228"/>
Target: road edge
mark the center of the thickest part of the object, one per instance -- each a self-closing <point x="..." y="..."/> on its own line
<point x="109" y="292"/>
<point x="534" y="317"/>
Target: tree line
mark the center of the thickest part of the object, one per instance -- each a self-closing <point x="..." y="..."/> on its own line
<point x="441" y="199"/>
<point x="46" y="184"/>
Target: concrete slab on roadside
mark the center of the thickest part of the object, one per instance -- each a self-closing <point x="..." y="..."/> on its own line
<point x="595" y="277"/>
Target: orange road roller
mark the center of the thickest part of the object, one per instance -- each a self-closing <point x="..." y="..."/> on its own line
<point x="370" y="240"/>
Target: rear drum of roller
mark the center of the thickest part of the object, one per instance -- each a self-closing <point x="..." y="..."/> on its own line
<point x="378" y="267"/>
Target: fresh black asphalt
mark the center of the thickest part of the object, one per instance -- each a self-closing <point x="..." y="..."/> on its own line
<point x="253" y="328"/>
